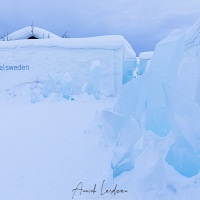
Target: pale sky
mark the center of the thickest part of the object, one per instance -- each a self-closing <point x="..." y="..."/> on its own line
<point x="143" y="23"/>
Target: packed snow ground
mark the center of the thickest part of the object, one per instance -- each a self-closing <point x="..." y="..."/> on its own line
<point x="45" y="150"/>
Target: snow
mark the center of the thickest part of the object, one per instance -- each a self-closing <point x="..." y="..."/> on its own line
<point x="29" y="31"/>
<point x="44" y="149"/>
<point x="99" y="42"/>
<point x="146" y="55"/>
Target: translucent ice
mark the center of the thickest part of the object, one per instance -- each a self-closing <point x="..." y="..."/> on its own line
<point x="149" y="174"/>
<point x="129" y="65"/>
<point x="183" y="158"/>
<point x="157" y="118"/>
<point x="35" y="90"/>
<point x="184" y="154"/>
<point x="66" y="83"/>
<point x="49" y="86"/>
<point x="111" y="123"/>
<point x="94" y="84"/>
<point x="123" y="155"/>
<point x="167" y="56"/>
<point x="164" y="65"/>
<point x="134" y="97"/>
<point x="185" y="117"/>
<point x="144" y="58"/>
<point x="142" y="67"/>
<point x="189" y="78"/>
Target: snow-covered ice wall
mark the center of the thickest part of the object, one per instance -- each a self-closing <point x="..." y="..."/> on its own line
<point x="56" y="56"/>
<point x="144" y="59"/>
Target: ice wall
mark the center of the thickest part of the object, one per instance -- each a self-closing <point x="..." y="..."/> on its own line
<point x="38" y="58"/>
<point x="129" y="66"/>
<point x="154" y="127"/>
<point x="93" y="87"/>
<point x="189" y="73"/>
<point x="185" y="115"/>
<point x="144" y="57"/>
<point x="188" y="79"/>
<point x="58" y="61"/>
<point x="123" y="154"/>
<point x="164" y="66"/>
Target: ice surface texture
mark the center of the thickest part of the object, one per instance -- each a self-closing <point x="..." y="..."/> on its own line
<point x="123" y="157"/>
<point x="164" y="65"/>
<point x="184" y="154"/>
<point x="164" y="100"/>
<point x="129" y="66"/>
<point x="94" y="85"/>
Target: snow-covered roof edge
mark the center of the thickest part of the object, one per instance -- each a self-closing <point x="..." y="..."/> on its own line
<point x="30" y="31"/>
<point x="146" y="55"/>
<point x="99" y="42"/>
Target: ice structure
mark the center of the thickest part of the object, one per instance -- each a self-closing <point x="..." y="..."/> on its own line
<point x="164" y="66"/>
<point x="49" y="86"/>
<point x="63" y="87"/>
<point x="94" y="85"/>
<point x="66" y="84"/>
<point x="184" y="154"/>
<point x="133" y="102"/>
<point x="188" y="80"/>
<point x="189" y="73"/>
<point x="35" y="90"/>
<point x="154" y="127"/>
<point x="129" y="66"/>
<point x="123" y="157"/>
<point x="57" y="55"/>
<point x="122" y="132"/>
<point x="149" y="180"/>
<point x="111" y="124"/>
<point x="143" y="99"/>
<point x="145" y="95"/>
<point x="144" y="58"/>
<point x="155" y="106"/>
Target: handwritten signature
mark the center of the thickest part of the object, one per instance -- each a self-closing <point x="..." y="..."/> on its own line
<point x="80" y="190"/>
